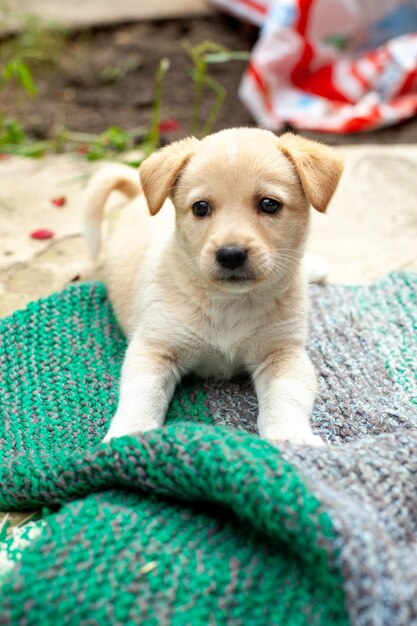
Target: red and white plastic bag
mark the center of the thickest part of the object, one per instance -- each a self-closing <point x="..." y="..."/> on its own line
<point x="330" y="65"/>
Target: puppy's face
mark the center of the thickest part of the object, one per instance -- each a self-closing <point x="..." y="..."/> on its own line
<point x="242" y="210"/>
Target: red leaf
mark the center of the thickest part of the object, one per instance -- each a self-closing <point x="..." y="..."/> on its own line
<point x="59" y="201"/>
<point x="169" y="125"/>
<point x="4" y="156"/>
<point x="42" y="233"/>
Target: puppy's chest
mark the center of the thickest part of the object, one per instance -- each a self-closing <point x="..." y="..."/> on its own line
<point x="225" y="340"/>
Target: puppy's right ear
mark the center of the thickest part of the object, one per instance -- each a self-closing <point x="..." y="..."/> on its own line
<point x="159" y="172"/>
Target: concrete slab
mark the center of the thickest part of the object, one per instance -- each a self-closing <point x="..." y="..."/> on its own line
<point x="371" y="226"/>
<point x="88" y="13"/>
<point x="30" y="268"/>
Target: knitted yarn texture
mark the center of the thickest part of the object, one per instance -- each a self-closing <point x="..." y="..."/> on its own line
<point x="201" y="522"/>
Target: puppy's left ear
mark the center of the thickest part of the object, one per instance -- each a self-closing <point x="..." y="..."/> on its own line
<point x="159" y="172"/>
<point x="318" y="167"/>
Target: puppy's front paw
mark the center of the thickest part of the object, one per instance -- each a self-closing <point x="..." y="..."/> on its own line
<point x="122" y="424"/>
<point x="118" y="429"/>
<point x="307" y="440"/>
<point x="302" y="439"/>
<point x="115" y="434"/>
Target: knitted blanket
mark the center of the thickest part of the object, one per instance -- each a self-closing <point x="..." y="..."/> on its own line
<point x="201" y="522"/>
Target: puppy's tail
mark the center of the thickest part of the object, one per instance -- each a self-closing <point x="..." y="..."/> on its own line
<point x="116" y="177"/>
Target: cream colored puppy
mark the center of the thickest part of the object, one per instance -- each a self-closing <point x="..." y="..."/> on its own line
<point x="205" y="275"/>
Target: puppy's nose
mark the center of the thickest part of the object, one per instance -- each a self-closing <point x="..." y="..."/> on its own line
<point x="231" y="257"/>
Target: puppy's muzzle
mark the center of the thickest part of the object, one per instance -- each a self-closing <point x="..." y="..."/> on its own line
<point x="231" y="257"/>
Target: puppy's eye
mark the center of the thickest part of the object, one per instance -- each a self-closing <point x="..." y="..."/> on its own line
<point x="201" y="208"/>
<point x="268" y="205"/>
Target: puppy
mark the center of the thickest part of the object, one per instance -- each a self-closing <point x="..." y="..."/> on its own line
<point x="205" y="271"/>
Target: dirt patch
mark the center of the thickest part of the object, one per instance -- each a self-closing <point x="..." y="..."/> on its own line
<point x="105" y="78"/>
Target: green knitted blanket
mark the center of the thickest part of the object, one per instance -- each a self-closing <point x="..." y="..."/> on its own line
<point x="201" y="522"/>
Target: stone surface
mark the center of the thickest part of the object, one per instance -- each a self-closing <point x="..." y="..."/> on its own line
<point x="32" y="268"/>
<point x="371" y="226"/>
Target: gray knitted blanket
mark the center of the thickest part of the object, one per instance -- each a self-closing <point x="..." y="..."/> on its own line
<point x="330" y="533"/>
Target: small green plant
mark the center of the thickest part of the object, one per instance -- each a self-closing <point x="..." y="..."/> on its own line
<point x="19" y="71"/>
<point x="35" y="46"/>
<point x="13" y="140"/>
<point x="113" y="141"/>
<point x="202" y="55"/>
<point x="11" y="132"/>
